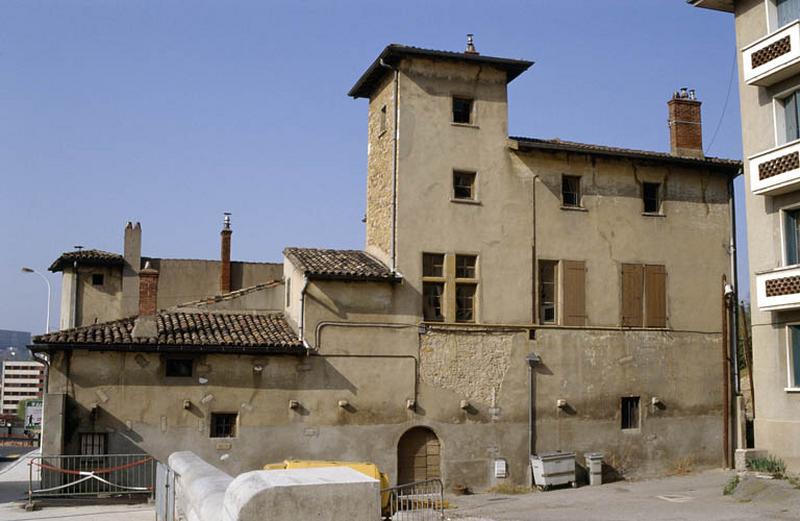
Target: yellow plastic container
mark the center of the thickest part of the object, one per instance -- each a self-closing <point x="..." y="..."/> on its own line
<point x="368" y="469"/>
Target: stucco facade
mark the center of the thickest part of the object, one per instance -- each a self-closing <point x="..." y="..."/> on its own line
<point x="376" y="366"/>
<point x="763" y="96"/>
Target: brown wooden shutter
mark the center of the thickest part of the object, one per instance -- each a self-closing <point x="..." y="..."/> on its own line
<point x="632" y="275"/>
<point x="574" y="293"/>
<point x="655" y="295"/>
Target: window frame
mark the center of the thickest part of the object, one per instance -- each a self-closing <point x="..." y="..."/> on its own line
<point x="449" y="283"/>
<point x="473" y="195"/>
<point x="462" y="281"/>
<point x="101" y="277"/>
<point x="102" y="436"/>
<point x="633" y="426"/>
<point x="173" y="359"/>
<point x="471" y="119"/>
<point x="779" y="100"/>
<point x="578" y="193"/>
<point x="659" y="199"/>
<point x="540" y="287"/>
<point x="234" y="425"/>
<point x="784" y="217"/>
<point x="792" y="381"/>
<point x="772" y="16"/>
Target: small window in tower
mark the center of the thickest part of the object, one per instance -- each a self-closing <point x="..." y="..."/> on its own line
<point x="630" y="412"/>
<point x="651" y="194"/>
<point x="462" y="110"/>
<point x="383" y="119"/>
<point x="463" y="185"/>
<point x="97" y="279"/>
<point x="571" y="191"/>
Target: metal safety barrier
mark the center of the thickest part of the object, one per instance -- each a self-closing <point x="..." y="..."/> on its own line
<point x="417" y="501"/>
<point x="101" y="475"/>
<point x="165" y="493"/>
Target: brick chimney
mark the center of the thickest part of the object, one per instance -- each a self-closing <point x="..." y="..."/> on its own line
<point x="225" y="255"/>
<point x="685" y="124"/>
<point x="145" y="325"/>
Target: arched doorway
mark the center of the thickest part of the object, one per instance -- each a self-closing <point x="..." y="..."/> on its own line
<point x="418" y="456"/>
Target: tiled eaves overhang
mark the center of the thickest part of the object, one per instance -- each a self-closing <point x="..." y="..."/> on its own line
<point x="171" y="348"/>
<point x="393" y="53"/>
<point x="341" y="265"/>
<point x="86" y="258"/>
<point x="729" y="166"/>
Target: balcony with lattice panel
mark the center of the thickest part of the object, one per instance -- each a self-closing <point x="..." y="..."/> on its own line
<point x="772" y="58"/>
<point x="778" y="289"/>
<point x="776" y="171"/>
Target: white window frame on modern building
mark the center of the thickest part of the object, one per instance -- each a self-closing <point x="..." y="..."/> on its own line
<point x="779" y="116"/>
<point x="792" y="381"/>
<point x="772" y="16"/>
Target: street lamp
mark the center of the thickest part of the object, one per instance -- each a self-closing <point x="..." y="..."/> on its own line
<point x="25" y="269"/>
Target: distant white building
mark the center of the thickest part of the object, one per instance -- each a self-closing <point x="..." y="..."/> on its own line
<point x="22" y="380"/>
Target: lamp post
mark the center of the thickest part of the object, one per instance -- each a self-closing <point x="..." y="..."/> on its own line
<point x="25" y="269"/>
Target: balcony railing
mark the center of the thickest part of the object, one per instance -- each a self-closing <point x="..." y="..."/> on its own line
<point x="774" y="57"/>
<point x="777" y="170"/>
<point x="778" y="289"/>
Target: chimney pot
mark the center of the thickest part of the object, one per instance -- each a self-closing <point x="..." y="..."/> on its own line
<point x="685" y="124"/>
<point x="471" y="45"/>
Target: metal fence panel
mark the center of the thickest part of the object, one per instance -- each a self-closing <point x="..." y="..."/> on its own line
<point x="418" y="501"/>
<point x="165" y="493"/>
<point x="101" y="475"/>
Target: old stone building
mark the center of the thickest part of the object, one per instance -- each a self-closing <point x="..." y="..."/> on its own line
<point x="515" y="295"/>
<point x="768" y="41"/>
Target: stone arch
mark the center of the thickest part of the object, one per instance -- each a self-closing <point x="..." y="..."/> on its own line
<point x="419" y="456"/>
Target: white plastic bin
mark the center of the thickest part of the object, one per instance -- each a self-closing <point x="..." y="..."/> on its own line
<point x="553" y="468"/>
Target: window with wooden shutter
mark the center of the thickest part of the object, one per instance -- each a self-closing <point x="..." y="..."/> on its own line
<point x="632" y="289"/>
<point x="574" y="293"/>
<point x="655" y="295"/>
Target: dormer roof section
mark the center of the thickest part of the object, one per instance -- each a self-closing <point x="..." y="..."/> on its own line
<point x="394" y="53"/>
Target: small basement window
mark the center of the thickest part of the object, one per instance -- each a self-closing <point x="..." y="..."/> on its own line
<point x="97" y="279"/>
<point x="462" y="110"/>
<point x="179" y="367"/>
<point x="630" y="412"/>
<point x="223" y="425"/>
<point x="571" y="190"/>
<point x="463" y="185"/>
<point x="651" y="195"/>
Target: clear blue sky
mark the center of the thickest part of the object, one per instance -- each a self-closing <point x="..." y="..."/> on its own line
<point x="171" y="112"/>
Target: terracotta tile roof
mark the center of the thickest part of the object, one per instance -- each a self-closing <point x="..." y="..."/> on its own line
<point x="339" y="264"/>
<point x="87" y="257"/>
<point x="393" y="53"/>
<point x="231" y="331"/>
<point x="527" y="143"/>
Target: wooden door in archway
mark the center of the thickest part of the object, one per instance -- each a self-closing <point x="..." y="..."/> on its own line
<point x="418" y="456"/>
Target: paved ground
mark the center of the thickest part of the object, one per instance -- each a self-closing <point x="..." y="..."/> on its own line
<point x="10" y="454"/>
<point x="13" y="512"/>
<point x="694" y="497"/>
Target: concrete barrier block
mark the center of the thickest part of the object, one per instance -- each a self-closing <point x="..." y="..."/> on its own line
<point x="200" y="487"/>
<point x="321" y="494"/>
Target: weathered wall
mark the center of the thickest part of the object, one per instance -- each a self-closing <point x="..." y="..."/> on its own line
<point x="379" y="170"/>
<point x="97" y="303"/>
<point x="777" y="422"/>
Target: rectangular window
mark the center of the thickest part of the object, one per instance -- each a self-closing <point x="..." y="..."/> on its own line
<point x="465" y="302"/>
<point x="433" y="264"/>
<point x="93" y="443"/>
<point x="632" y="295"/>
<point x="651" y="195"/>
<point x="223" y="425"/>
<point x="548" y="290"/>
<point x="788" y="11"/>
<point x="571" y="190"/>
<point x="383" y="119"/>
<point x="465" y="266"/>
<point x="462" y="110"/>
<point x="179" y="367"/>
<point x="644" y="295"/>
<point x="463" y="185"/>
<point x="791" y="116"/>
<point x="794" y="356"/>
<point x="432" y="293"/>
<point x="288" y="292"/>
<point x="630" y="412"/>
<point x="791" y="236"/>
<point x="97" y="279"/>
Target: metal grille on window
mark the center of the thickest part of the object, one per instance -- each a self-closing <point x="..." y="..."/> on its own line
<point x="630" y="412"/>
<point x="93" y="444"/>
<point x="223" y="425"/>
<point x="571" y="190"/>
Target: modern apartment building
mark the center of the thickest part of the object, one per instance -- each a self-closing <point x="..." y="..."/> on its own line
<point x="768" y="42"/>
<point x="22" y="380"/>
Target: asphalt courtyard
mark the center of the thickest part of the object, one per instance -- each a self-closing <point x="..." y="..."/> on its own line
<point x="696" y="496"/>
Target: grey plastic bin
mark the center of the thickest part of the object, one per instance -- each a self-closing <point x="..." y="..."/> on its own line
<point x="553" y="468"/>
